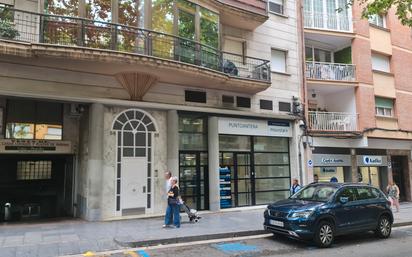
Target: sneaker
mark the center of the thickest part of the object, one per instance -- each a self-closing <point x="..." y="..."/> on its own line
<point x="166" y="226"/>
<point x="177" y="226"/>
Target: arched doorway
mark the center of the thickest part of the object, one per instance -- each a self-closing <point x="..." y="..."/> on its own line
<point x="134" y="157"/>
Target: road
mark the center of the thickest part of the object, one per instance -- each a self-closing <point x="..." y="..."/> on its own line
<point x="360" y="245"/>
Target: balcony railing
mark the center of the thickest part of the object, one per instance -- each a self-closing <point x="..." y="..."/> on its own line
<point x="330" y="71"/>
<point x="78" y="32"/>
<point x="336" y="22"/>
<point x="333" y="121"/>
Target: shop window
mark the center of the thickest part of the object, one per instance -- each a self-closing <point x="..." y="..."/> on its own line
<point x="276" y="6"/>
<point x="34" y="170"/>
<point x="278" y="61"/>
<point x="34" y="120"/>
<point x="266" y="104"/>
<point x="243" y="102"/>
<point x="195" y="96"/>
<point x="381" y="62"/>
<point x="284" y="107"/>
<point x="378" y="20"/>
<point x="384" y="106"/>
<point x="192" y="133"/>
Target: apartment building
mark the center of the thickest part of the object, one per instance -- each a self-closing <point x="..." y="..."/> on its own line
<point x="99" y="98"/>
<point x="357" y="95"/>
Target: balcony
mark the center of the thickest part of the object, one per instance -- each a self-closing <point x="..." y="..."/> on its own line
<point x="181" y="61"/>
<point x="330" y="71"/>
<point x="332" y="122"/>
<point x="243" y="14"/>
<point x="335" y="22"/>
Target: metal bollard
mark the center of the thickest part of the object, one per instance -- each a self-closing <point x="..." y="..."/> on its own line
<point x="7" y="212"/>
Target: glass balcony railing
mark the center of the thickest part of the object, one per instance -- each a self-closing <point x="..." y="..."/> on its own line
<point x="32" y="27"/>
<point x="333" y="21"/>
<point x="333" y="121"/>
<point x="330" y="71"/>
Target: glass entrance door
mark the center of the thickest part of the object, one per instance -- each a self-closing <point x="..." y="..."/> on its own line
<point x="242" y="186"/>
<point x="369" y="175"/>
<point x="193" y="179"/>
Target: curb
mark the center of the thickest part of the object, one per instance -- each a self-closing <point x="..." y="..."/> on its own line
<point x="186" y="239"/>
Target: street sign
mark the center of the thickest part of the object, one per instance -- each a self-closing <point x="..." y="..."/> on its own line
<point x="310" y="163"/>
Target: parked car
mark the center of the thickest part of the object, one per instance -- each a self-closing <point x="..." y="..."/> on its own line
<point x="320" y="212"/>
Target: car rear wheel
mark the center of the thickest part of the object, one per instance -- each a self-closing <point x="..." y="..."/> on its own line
<point x="384" y="228"/>
<point x="324" y="234"/>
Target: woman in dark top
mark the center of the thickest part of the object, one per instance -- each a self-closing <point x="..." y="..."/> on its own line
<point x="173" y="205"/>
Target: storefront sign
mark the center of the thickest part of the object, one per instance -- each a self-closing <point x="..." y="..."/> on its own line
<point x="372" y="160"/>
<point x="328" y="169"/>
<point x="331" y="160"/>
<point x="255" y="127"/>
<point x="35" y="146"/>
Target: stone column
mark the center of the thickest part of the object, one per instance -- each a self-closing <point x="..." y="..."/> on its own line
<point x="354" y="166"/>
<point x="95" y="162"/>
<point x="173" y="142"/>
<point x="213" y="155"/>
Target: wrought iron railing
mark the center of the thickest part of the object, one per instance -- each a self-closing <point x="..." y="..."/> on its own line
<point x="333" y="121"/>
<point x="330" y="71"/>
<point x="339" y="21"/>
<point x="78" y="32"/>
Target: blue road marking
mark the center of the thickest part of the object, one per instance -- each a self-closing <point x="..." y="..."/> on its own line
<point x="235" y="248"/>
<point x="143" y="253"/>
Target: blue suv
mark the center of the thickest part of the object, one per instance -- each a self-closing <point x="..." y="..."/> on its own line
<point x="321" y="211"/>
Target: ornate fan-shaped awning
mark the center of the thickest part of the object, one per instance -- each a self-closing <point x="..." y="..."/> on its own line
<point x="137" y="84"/>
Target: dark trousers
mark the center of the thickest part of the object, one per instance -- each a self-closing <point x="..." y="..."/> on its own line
<point x="172" y="212"/>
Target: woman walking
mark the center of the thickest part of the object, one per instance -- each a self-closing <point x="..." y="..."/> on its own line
<point x="173" y="208"/>
<point x="393" y="193"/>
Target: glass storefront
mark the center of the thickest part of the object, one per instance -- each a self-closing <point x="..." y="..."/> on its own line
<point x="369" y="175"/>
<point x="193" y="161"/>
<point x="258" y="167"/>
<point x="326" y="173"/>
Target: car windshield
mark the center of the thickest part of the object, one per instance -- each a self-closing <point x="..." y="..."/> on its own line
<point x="318" y="193"/>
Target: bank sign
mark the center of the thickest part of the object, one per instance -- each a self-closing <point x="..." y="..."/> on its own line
<point x="331" y="160"/>
<point x="255" y="127"/>
<point x="372" y="160"/>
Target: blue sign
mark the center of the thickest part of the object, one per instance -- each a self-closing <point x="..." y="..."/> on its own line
<point x="310" y="163"/>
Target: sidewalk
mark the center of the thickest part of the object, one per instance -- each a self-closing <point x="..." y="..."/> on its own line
<point x="77" y="236"/>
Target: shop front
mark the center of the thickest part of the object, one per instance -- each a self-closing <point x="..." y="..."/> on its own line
<point x="254" y="161"/>
<point x="373" y="170"/>
<point x="327" y="166"/>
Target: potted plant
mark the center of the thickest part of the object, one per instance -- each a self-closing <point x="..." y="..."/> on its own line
<point x="7" y="30"/>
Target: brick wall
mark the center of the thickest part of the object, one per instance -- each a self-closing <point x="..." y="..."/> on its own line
<point x="361" y="57"/>
<point x="365" y="102"/>
<point x="403" y="111"/>
<point x="401" y="35"/>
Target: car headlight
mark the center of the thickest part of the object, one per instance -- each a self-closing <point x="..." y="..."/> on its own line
<point x="301" y="214"/>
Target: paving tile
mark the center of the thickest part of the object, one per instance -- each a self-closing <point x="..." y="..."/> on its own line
<point x="48" y="250"/>
<point x="26" y="251"/>
<point x="68" y="248"/>
<point x="8" y="252"/>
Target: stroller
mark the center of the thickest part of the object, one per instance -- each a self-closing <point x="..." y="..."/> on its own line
<point x="191" y="213"/>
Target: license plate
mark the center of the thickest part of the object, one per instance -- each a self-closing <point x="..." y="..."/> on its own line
<point x="276" y="223"/>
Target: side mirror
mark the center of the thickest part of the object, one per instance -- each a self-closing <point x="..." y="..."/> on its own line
<point x="343" y="200"/>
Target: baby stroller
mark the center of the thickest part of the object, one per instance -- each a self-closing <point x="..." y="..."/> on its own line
<point x="191" y="213"/>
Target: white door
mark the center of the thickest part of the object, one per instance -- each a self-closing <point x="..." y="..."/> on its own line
<point x="134" y="183"/>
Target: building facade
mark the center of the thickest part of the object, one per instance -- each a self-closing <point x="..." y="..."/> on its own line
<point x="357" y="93"/>
<point x="99" y="98"/>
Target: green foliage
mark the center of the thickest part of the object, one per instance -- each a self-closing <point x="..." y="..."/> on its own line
<point x="403" y="8"/>
<point x="7" y="30"/>
<point x="343" y="56"/>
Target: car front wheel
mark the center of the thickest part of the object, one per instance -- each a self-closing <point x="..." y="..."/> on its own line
<point x="324" y="234"/>
<point x="384" y="228"/>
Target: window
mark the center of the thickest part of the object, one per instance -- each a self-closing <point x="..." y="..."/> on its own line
<point x="384" y="106"/>
<point x="276" y="6"/>
<point x="365" y="193"/>
<point x="348" y="193"/>
<point x="278" y="61"/>
<point x="34" y="170"/>
<point x="314" y="54"/>
<point x="243" y="102"/>
<point x="228" y="99"/>
<point x="34" y="120"/>
<point x="381" y="63"/>
<point x="378" y="20"/>
<point x="195" y="96"/>
<point x="266" y="104"/>
<point x="284" y="107"/>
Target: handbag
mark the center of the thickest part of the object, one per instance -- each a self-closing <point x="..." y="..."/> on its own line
<point x="172" y="201"/>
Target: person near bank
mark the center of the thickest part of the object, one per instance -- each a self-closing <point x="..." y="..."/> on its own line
<point x="173" y="207"/>
<point x="295" y="187"/>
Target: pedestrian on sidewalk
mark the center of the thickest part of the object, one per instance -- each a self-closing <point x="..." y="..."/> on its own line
<point x="295" y="187"/>
<point x="173" y="207"/>
<point x="168" y="186"/>
<point x="393" y="193"/>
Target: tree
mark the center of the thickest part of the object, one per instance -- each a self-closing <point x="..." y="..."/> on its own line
<point x="403" y="8"/>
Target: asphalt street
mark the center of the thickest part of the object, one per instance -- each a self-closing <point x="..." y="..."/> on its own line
<point x="359" y="245"/>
